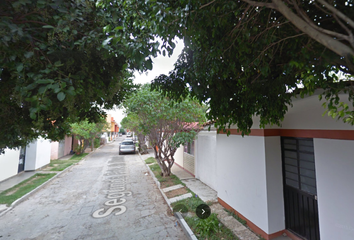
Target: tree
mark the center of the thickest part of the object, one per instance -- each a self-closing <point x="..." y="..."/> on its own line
<point x="244" y="61"/>
<point x="122" y="130"/>
<point x="56" y="68"/>
<point x="132" y="122"/>
<point x="86" y="130"/>
<point x="165" y="122"/>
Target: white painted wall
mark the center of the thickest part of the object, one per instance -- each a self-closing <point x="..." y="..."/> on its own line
<point x="43" y="152"/>
<point x="334" y="162"/>
<point x="31" y="155"/>
<point x="37" y="154"/>
<point x="9" y="163"/>
<point x="205" y="158"/>
<point x="275" y="199"/>
<point x="61" y="149"/>
<point x="54" y="146"/>
<point x="242" y="183"/>
<point x="179" y="155"/>
<point x="306" y="113"/>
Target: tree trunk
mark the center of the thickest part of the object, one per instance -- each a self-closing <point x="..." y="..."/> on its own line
<point x="163" y="167"/>
<point x="170" y="164"/>
<point x="155" y="151"/>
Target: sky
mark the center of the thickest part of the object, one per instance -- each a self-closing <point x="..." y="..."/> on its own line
<point x="161" y="65"/>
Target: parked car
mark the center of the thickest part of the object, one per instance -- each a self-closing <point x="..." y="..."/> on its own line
<point x="127" y="146"/>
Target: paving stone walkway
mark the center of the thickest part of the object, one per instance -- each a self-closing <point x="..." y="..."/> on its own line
<point x="231" y="223"/>
<point x="209" y="195"/>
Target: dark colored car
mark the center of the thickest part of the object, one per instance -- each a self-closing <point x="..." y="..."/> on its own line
<point x="127" y="146"/>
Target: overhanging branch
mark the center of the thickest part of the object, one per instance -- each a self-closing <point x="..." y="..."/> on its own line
<point x="337" y="12"/>
<point x="336" y="46"/>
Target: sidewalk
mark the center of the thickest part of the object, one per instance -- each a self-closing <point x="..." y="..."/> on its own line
<point x="207" y="194"/>
<point x="14" y="180"/>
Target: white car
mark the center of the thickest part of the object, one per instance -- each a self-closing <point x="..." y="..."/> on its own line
<point x="127" y="146"/>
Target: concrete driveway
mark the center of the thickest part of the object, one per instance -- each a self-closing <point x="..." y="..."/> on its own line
<point x="106" y="196"/>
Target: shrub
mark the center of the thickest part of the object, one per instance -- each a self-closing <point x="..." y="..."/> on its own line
<point x="205" y="227"/>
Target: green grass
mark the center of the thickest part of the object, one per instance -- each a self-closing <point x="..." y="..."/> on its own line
<point x="150" y="160"/>
<point x="222" y="233"/>
<point x="78" y="157"/>
<point x="10" y="195"/>
<point x="155" y="168"/>
<point x="176" y="180"/>
<point x="60" y="165"/>
<point x="244" y="222"/>
<point x="191" y="203"/>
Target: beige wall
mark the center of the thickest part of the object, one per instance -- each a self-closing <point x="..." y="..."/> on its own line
<point x="60" y="149"/>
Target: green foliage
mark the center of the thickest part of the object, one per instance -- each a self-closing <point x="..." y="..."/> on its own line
<point x="97" y="142"/>
<point x="222" y="233"/>
<point x="121" y="130"/>
<point x="248" y="72"/>
<point x="86" y="130"/>
<point x="54" y="69"/>
<point x="206" y="227"/>
<point x="242" y="63"/>
<point x="168" y="123"/>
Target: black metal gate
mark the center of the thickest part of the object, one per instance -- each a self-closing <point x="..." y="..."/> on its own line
<point x="300" y="193"/>
<point x="21" y="162"/>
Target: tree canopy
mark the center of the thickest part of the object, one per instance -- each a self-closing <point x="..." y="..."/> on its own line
<point x="56" y="67"/>
<point x="133" y="123"/>
<point x="63" y="60"/>
<point x="85" y="130"/>
<point x="167" y="123"/>
<point x="242" y="57"/>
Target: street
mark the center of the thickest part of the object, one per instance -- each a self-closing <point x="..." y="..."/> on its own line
<point x="106" y="196"/>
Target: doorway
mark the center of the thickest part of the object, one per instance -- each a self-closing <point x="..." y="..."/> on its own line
<point x="21" y="162"/>
<point x="300" y="192"/>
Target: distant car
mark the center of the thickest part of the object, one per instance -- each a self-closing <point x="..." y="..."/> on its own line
<point x="127" y="146"/>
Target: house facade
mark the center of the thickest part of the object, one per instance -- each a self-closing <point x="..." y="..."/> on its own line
<point x="112" y="129"/>
<point x="32" y="157"/>
<point x="9" y="163"/>
<point x="61" y="148"/>
<point x="185" y="157"/>
<point x="295" y="179"/>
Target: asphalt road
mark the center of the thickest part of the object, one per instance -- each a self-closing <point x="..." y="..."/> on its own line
<point x="106" y="196"/>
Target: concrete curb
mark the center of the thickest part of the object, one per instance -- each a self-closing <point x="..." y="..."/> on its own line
<point x="24" y="197"/>
<point x="187" y="230"/>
